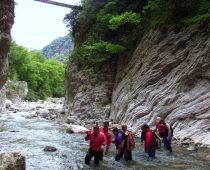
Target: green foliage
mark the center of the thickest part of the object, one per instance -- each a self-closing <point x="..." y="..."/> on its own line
<point x="44" y="77"/>
<point x="196" y="20"/>
<point x="127" y="17"/>
<point x="114" y="28"/>
<point x="92" y="53"/>
<point x="175" y="12"/>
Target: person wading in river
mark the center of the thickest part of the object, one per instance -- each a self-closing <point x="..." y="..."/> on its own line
<point x="165" y="131"/>
<point x="117" y="141"/>
<point x="149" y="141"/>
<point x="97" y="141"/>
<point x="107" y="133"/>
<point x="127" y="145"/>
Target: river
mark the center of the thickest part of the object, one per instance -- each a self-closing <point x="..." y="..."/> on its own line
<point x="30" y="136"/>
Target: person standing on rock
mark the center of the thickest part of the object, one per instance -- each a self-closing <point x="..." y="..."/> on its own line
<point x="107" y="133"/>
<point x="97" y="142"/>
<point x="127" y="145"/>
<point x="165" y="131"/>
<point x="149" y="141"/>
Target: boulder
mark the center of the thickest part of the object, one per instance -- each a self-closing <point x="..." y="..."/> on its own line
<point x="8" y="103"/>
<point x="50" y="149"/>
<point x="12" y="161"/>
<point x="73" y="128"/>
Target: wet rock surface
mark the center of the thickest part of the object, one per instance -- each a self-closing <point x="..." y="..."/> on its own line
<point x="12" y="161"/>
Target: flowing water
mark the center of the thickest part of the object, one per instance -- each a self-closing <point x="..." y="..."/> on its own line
<point x="30" y="136"/>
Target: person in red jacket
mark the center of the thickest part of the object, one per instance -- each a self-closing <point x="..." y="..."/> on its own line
<point x="97" y="141"/>
<point x="149" y="141"/>
<point x="107" y="133"/>
<point x="165" y="131"/>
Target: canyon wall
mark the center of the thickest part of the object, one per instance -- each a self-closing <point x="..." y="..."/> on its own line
<point x="168" y="75"/>
<point x="6" y="22"/>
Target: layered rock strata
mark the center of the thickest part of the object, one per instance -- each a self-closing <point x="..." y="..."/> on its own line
<point x="167" y="75"/>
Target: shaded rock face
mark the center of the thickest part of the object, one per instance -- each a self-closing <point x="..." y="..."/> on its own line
<point x="6" y="22"/>
<point x="2" y="99"/>
<point x="168" y="76"/>
<point x="88" y="95"/>
<point x="12" y="161"/>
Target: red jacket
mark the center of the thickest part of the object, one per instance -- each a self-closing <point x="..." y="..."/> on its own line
<point x="108" y="137"/>
<point x="96" y="141"/>
<point x="149" y="140"/>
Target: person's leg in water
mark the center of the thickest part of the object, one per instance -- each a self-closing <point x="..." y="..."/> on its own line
<point x="97" y="157"/>
<point x="101" y="155"/>
<point x="119" y="155"/>
<point x="89" y="156"/>
<point x="164" y="140"/>
<point x="151" y="154"/>
<point x="128" y="155"/>
<point x="168" y="144"/>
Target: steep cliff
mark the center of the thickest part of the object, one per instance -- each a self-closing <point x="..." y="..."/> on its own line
<point x="6" y="22"/>
<point x="167" y="75"/>
<point x="88" y="95"/>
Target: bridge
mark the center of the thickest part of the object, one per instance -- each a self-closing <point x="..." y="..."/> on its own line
<point x="76" y="7"/>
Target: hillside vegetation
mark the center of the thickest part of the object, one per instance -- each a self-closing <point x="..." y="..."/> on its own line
<point x="114" y="28"/>
<point x="44" y="76"/>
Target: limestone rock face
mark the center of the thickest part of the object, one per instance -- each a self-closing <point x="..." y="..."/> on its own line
<point x="168" y="76"/>
<point x="12" y="161"/>
<point x="6" y="22"/>
<point x="88" y="95"/>
<point x="16" y="91"/>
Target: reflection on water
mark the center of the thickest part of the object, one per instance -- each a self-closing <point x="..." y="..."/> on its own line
<point x="30" y="136"/>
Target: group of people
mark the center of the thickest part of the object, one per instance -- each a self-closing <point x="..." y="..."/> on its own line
<point x="101" y="139"/>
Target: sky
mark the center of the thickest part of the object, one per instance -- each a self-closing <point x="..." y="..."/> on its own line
<point x="37" y="24"/>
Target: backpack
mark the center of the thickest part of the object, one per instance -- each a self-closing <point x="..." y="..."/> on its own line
<point x="131" y="141"/>
<point x="157" y="141"/>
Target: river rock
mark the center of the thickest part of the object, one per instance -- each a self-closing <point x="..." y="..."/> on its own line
<point x="69" y="130"/>
<point x="12" y="161"/>
<point x="8" y="103"/>
<point x="43" y="113"/>
<point x="50" y="149"/>
<point x="73" y="128"/>
<point x="71" y="120"/>
<point x="192" y="148"/>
